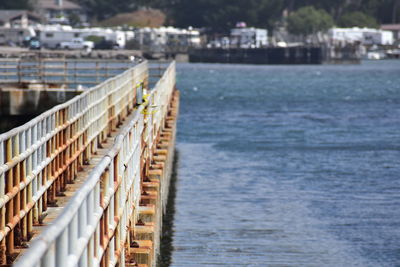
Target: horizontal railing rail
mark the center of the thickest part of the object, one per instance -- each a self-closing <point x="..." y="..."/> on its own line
<point x="39" y="158"/>
<point x="98" y="223"/>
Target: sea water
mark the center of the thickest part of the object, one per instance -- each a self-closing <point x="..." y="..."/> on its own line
<point x="288" y="165"/>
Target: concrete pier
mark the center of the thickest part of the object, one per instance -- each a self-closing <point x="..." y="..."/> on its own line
<point x="15" y="100"/>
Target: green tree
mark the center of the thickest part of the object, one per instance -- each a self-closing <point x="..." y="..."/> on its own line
<point x="221" y="15"/>
<point x="357" y="19"/>
<point x="308" y="20"/>
<point x="102" y="9"/>
<point x="333" y="7"/>
<point x="74" y="19"/>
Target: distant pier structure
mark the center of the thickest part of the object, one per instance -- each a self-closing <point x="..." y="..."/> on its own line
<point x="31" y="84"/>
<point x="86" y="180"/>
<point x="278" y="55"/>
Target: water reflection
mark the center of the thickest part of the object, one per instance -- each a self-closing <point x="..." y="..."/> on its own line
<point x="167" y="248"/>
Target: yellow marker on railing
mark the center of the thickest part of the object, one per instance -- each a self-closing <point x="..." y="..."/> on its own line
<point x="145" y="102"/>
<point x="146" y="112"/>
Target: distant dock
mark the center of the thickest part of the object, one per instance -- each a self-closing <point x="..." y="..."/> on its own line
<point x="12" y="52"/>
<point x="276" y="55"/>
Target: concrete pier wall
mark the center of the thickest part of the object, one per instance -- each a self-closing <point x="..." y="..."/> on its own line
<point x="28" y="102"/>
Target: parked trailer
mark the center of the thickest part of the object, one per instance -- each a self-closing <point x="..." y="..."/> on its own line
<point x="52" y="36"/>
<point x="15" y="35"/>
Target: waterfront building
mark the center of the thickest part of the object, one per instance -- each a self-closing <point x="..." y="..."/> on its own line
<point x="364" y="36"/>
<point x="394" y="28"/>
<point x="158" y="39"/>
<point x="249" y="37"/>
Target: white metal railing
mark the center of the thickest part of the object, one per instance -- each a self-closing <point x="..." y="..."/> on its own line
<point x="68" y="72"/>
<point x="40" y="157"/>
<point x="95" y="225"/>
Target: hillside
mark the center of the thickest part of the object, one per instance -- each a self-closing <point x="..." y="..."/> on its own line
<point x="220" y="15"/>
<point x="139" y="18"/>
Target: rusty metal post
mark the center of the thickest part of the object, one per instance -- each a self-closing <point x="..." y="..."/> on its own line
<point x="10" y="204"/>
<point x="45" y="176"/>
<point x="22" y="172"/>
<point x="3" y="259"/>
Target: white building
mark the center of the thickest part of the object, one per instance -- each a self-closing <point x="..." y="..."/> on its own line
<point x="157" y="39"/>
<point x="249" y="37"/>
<point x="394" y="28"/>
<point x="378" y="37"/>
<point x="150" y="38"/>
<point x="182" y="37"/>
<point x="365" y="36"/>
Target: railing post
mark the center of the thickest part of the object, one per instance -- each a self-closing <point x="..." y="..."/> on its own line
<point x="3" y="259"/>
<point x="90" y="252"/>
<point x="112" y="250"/>
<point x="97" y="72"/>
<point x="24" y="192"/>
<point x="62" y="248"/>
<point x="29" y="185"/>
<point x="37" y="178"/>
<point x="49" y="259"/>
<point x="19" y="73"/>
<point x="73" y="235"/>
<point x="66" y="71"/>
<point x="82" y="219"/>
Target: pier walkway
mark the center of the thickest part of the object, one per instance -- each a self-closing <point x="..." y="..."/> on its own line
<point x="86" y="182"/>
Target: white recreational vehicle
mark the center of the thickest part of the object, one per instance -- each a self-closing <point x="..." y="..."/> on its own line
<point x="116" y="36"/>
<point x="52" y="36"/>
<point x="15" y="35"/>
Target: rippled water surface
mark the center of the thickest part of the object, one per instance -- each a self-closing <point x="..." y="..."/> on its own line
<point x="288" y="166"/>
